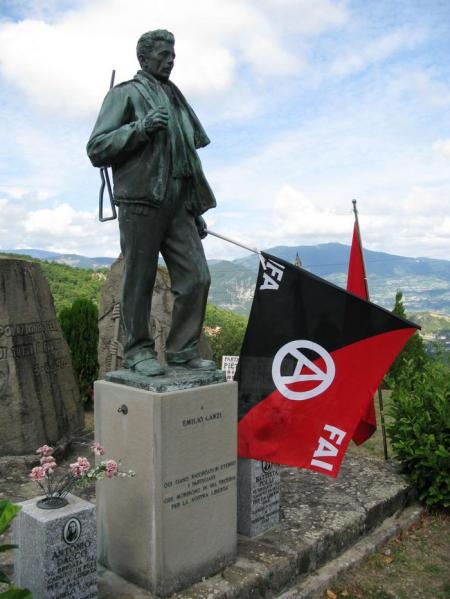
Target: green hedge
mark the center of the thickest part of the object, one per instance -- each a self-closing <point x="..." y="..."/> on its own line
<point x="80" y="327"/>
<point x="420" y="429"/>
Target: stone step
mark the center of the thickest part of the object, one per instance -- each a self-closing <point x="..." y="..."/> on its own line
<point x="321" y="518"/>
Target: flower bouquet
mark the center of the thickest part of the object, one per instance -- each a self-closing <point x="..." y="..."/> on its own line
<point x="80" y="474"/>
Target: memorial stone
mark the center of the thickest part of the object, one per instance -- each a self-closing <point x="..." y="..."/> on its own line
<point x="39" y="396"/>
<point x="258" y="496"/>
<point x="56" y="556"/>
<point x="175" y="522"/>
<point x="111" y="333"/>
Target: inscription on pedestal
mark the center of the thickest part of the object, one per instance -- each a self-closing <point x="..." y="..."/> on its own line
<point x="258" y="496"/>
<point x="199" y="486"/>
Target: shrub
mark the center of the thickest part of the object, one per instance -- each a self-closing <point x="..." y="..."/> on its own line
<point x="414" y="348"/>
<point x="80" y="327"/>
<point x="8" y="511"/>
<point x="420" y="429"/>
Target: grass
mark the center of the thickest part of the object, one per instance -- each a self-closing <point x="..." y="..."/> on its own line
<point x="415" y="564"/>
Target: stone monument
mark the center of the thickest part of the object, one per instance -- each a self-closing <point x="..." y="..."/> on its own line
<point x="111" y="333"/>
<point x="174" y="425"/>
<point x="39" y="396"/>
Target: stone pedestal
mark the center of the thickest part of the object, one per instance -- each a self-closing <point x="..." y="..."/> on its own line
<point x="57" y="555"/>
<point x="175" y="522"/>
<point x="258" y="496"/>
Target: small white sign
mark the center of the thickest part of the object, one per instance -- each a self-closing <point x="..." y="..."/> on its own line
<point x="229" y="364"/>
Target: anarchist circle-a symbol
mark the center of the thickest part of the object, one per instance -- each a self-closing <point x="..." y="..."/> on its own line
<point x="306" y="370"/>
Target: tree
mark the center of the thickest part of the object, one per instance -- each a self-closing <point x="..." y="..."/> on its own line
<point x="414" y="350"/>
<point x="225" y="331"/>
<point x="80" y="327"/>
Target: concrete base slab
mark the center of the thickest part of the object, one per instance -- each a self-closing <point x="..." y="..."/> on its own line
<point x="174" y="379"/>
<point x="326" y="525"/>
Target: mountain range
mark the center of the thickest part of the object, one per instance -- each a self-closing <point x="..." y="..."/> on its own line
<point x="425" y="282"/>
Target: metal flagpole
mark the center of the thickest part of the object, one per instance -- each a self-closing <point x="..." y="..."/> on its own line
<point x="246" y="247"/>
<point x="380" y="396"/>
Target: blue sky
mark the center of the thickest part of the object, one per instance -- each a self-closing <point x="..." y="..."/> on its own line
<point x="308" y="103"/>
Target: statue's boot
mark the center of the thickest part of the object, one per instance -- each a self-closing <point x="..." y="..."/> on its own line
<point x="145" y="364"/>
<point x="196" y="364"/>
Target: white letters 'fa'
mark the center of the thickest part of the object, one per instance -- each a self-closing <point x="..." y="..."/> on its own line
<point x="272" y="281"/>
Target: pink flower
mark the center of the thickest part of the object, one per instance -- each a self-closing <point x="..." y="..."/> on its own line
<point x="111" y="468"/>
<point x="80" y="467"/>
<point x="84" y="464"/>
<point x="48" y="465"/>
<point x="76" y="470"/>
<point x="38" y="473"/>
<point x="97" y="448"/>
<point x="45" y="450"/>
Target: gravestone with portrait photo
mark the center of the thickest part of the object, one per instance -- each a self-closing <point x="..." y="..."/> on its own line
<point x="39" y="396"/>
<point x="56" y="555"/>
<point x="258" y="496"/>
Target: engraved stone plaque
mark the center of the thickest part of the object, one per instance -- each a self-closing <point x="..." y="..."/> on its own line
<point x="258" y="496"/>
<point x="57" y="557"/>
<point x="39" y="397"/>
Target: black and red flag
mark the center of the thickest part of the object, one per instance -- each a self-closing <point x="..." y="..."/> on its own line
<point x="312" y="358"/>
<point x="357" y="284"/>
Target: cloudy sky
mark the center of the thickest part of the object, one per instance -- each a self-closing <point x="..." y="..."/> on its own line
<point x="308" y="103"/>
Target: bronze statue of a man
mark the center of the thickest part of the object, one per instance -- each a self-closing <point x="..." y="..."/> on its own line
<point x="147" y="132"/>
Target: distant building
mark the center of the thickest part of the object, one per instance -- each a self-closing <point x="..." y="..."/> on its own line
<point x="297" y="261"/>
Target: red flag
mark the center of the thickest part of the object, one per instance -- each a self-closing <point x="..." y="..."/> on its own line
<point x="312" y="358"/>
<point x="357" y="284"/>
<point x="356" y="278"/>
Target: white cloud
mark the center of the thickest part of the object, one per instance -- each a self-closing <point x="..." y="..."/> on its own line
<point x="296" y="214"/>
<point x="442" y="148"/>
<point x="299" y="219"/>
<point x="375" y="51"/>
<point x="423" y="84"/>
<point x="306" y="17"/>
<point x="64" y="64"/>
<point x="59" y="229"/>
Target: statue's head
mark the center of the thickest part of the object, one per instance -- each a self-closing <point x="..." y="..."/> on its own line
<point x="156" y="53"/>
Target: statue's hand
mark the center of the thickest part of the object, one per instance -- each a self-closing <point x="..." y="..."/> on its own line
<point x="155" y="119"/>
<point x="201" y="226"/>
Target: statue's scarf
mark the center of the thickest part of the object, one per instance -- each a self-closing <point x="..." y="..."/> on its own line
<point x="184" y="128"/>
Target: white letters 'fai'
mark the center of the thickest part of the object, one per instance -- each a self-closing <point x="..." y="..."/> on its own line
<point x="272" y="279"/>
<point x="305" y="370"/>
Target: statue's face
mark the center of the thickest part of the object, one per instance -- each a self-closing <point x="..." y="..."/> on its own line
<point x="159" y="62"/>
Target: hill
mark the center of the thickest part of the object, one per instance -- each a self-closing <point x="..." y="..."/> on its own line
<point x="70" y="259"/>
<point x="425" y="282"/>
<point x="68" y="283"/>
